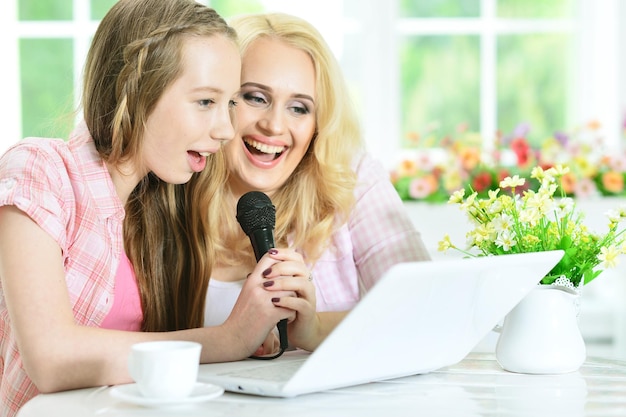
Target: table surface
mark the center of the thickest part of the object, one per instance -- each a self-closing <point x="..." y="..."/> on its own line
<point x="476" y="386"/>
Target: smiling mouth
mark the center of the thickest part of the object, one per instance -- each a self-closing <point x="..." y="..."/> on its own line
<point x="262" y="151"/>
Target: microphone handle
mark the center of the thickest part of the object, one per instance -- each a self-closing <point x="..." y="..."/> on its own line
<point x="262" y="240"/>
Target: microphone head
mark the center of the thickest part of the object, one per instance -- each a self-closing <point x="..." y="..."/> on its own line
<point x="255" y="211"/>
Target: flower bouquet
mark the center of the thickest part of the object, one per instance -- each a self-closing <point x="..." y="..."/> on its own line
<point x="510" y="221"/>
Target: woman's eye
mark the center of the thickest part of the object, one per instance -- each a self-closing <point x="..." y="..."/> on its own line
<point x="254" y="98"/>
<point x="300" y="109"/>
<point x="232" y="104"/>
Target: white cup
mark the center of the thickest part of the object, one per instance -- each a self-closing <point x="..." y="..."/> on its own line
<point x="165" y="369"/>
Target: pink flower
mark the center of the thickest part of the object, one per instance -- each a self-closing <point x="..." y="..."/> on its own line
<point x="585" y="188"/>
<point x="422" y="187"/>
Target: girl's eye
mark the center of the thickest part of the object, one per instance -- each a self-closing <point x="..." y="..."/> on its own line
<point x="232" y="104"/>
<point x="206" y="102"/>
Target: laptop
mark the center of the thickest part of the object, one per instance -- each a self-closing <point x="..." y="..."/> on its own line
<point x="419" y="317"/>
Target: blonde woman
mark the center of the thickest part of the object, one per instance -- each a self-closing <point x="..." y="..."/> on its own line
<point x="298" y="141"/>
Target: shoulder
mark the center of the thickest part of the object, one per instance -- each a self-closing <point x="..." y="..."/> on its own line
<point x="367" y="166"/>
<point x="370" y="173"/>
<point x="37" y="158"/>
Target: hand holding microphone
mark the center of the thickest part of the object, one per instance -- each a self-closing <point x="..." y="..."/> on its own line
<point x="257" y="217"/>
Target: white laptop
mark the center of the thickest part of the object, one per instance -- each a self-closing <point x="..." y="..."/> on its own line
<point x="420" y="316"/>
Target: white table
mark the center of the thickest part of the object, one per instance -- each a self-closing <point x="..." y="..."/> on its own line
<point x="476" y="386"/>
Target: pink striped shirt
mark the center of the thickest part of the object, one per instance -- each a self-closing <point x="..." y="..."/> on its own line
<point x="66" y="189"/>
<point x="378" y="235"/>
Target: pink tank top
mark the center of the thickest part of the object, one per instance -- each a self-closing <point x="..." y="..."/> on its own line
<point x="125" y="313"/>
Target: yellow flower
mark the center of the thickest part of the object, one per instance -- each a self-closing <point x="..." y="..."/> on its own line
<point x="445" y="243"/>
<point x="456" y="197"/>
<point x="538" y="221"/>
<point x="512" y="182"/>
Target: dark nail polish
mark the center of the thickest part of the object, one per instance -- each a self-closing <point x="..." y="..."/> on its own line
<point x="275" y="300"/>
<point x="266" y="272"/>
<point x="268" y="283"/>
<point x="272" y="251"/>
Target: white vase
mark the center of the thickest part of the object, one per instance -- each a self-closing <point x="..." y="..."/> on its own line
<point x="541" y="334"/>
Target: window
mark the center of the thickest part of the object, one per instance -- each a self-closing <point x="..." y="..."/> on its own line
<point x="416" y="69"/>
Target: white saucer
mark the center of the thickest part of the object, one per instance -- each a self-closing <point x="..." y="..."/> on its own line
<point x="130" y="393"/>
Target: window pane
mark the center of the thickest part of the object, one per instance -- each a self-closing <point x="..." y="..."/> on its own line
<point x="100" y="7"/>
<point x="46" y="83"/>
<point x="228" y="8"/>
<point x="439" y="8"/>
<point x="44" y="10"/>
<point x="440" y="85"/>
<point x="532" y="83"/>
<point x="535" y="9"/>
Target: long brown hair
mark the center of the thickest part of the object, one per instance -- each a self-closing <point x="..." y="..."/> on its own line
<point x="135" y="54"/>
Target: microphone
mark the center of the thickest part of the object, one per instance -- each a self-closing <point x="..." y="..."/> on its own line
<point x="257" y="217"/>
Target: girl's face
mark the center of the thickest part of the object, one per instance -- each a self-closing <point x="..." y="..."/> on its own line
<point x="275" y="116"/>
<point x="193" y="116"/>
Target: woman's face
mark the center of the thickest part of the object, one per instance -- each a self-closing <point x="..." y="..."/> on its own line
<point x="193" y="116"/>
<point x="275" y="116"/>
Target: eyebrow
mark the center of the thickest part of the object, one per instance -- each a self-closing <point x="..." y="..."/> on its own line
<point x="268" y="88"/>
<point x="208" y="88"/>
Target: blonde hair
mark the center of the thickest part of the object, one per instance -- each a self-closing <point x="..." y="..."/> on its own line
<point x="135" y="54"/>
<point x="319" y="195"/>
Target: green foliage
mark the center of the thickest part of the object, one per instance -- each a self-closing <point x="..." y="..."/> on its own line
<point x="47" y="87"/>
<point x="537" y="221"/>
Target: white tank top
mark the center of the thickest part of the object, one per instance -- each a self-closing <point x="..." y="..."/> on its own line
<point x="220" y="299"/>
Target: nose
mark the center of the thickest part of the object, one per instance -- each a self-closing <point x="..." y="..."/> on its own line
<point x="272" y="121"/>
<point x="224" y="127"/>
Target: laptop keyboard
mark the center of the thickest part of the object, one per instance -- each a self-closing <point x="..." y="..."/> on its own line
<point x="278" y="371"/>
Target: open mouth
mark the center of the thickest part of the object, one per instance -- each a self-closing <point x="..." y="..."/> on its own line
<point x="262" y="151"/>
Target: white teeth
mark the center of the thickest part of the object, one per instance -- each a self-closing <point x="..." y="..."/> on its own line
<point x="204" y="153"/>
<point x="264" y="148"/>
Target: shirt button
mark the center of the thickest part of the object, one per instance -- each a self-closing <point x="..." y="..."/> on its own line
<point x="7" y="185"/>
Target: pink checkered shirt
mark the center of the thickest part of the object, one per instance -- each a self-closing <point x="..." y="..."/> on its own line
<point x="66" y="189"/>
<point x="378" y="235"/>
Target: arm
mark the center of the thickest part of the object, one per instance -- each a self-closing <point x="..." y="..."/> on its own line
<point x="59" y="354"/>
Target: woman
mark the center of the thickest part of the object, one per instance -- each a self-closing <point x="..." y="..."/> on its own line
<point x="160" y="79"/>
<point x="298" y="141"/>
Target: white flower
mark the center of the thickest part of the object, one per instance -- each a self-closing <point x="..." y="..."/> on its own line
<point x="563" y="207"/>
<point x="502" y="223"/>
<point x="609" y="256"/>
<point x="506" y="240"/>
<point x="613" y="216"/>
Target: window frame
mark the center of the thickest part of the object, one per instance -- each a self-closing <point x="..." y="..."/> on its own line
<point x="600" y="95"/>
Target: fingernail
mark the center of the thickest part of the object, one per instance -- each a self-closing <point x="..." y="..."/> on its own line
<point x="268" y="283"/>
<point x="248" y="276"/>
<point x="275" y="300"/>
<point x="272" y="251"/>
<point x="266" y="272"/>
